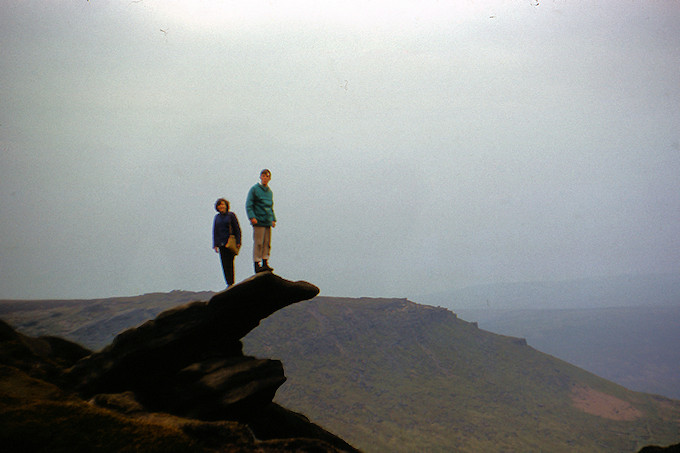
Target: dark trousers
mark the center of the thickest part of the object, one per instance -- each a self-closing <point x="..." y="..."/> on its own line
<point x="227" y="258"/>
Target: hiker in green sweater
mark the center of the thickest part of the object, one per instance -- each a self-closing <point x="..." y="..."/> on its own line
<point x="260" y="210"/>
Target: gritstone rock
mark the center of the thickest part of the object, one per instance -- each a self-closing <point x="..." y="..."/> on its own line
<point x="189" y="360"/>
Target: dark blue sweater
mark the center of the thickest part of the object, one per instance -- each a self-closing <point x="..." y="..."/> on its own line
<point x="222" y="230"/>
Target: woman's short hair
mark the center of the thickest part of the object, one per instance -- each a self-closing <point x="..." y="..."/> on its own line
<point x="220" y="201"/>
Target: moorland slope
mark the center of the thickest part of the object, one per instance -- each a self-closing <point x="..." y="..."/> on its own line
<point x="627" y="345"/>
<point x="390" y="375"/>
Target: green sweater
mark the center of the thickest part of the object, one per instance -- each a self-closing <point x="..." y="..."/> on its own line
<point x="260" y="205"/>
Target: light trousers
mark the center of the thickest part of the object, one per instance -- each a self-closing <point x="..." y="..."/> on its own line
<point x="262" y="237"/>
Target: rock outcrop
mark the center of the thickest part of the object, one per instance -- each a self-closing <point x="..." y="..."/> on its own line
<point x="188" y="364"/>
<point x="656" y="449"/>
<point x="189" y="360"/>
<point x="42" y="358"/>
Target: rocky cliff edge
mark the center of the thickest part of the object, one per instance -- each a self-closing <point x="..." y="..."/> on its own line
<point x="186" y="365"/>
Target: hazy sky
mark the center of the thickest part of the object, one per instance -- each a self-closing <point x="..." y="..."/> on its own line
<point x="414" y="146"/>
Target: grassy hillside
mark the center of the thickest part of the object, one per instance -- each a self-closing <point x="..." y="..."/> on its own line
<point x="391" y="375"/>
<point x="627" y="345"/>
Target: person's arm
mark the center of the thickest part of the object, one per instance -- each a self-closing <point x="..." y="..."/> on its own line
<point x="235" y="228"/>
<point x="250" y="206"/>
<point x="215" y="247"/>
<point x="273" y="213"/>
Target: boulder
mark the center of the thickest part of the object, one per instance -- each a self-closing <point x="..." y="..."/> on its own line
<point x="179" y="382"/>
<point x="189" y="361"/>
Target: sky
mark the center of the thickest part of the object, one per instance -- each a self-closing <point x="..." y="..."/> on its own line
<point x="414" y="146"/>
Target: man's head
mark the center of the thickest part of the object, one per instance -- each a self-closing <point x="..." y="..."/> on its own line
<point x="265" y="176"/>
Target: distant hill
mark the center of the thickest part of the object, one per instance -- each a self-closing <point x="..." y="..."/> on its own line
<point x="93" y="323"/>
<point x="391" y="375"/>
<point x="619" y="327"/>
<point x="632" y="346"/>
<point x="619" y="291"/>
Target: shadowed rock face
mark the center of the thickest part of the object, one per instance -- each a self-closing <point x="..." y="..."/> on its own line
<point x="42" y="358"/>
<point x="656" y="449"/>
<point x="189" y="361"/>
<point x="184" y="369"/>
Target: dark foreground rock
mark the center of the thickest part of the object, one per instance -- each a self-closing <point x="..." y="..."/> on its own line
<point x="185" y="370"/>
<point x="656" y="449"/>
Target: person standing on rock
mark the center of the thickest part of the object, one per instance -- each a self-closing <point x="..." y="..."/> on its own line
<point x="225" y="225"/>
<point x="260" y="210"/>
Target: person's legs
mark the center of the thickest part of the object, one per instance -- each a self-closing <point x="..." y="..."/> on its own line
<point x="266" y="248"/>
<point x="258" y="239"/>
<point x="266" y="243"/>
<point x="258" y="243"/>
<point x="227" y="258"/>
<point x="261" y="248"/>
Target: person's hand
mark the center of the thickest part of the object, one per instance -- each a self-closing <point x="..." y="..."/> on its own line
<point x="217" y="250"/>
<point x="273" y="224"/>
<point x="253" y="221"/>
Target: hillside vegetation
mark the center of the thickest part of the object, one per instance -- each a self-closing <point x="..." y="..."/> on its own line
<point x="627" y="345"/>
<point x="390" y="375"/>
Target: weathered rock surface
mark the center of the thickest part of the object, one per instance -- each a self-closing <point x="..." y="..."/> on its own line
<point x="656" y="449"/>
<point x="189" y="360"/>
<point x="43" y="357"/>
<point x="188" y="363"/>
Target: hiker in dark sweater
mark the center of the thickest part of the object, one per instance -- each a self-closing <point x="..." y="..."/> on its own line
<point x="224" y="225"/>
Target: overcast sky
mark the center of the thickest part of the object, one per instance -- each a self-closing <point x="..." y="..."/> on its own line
<point x="414" y="146"/>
